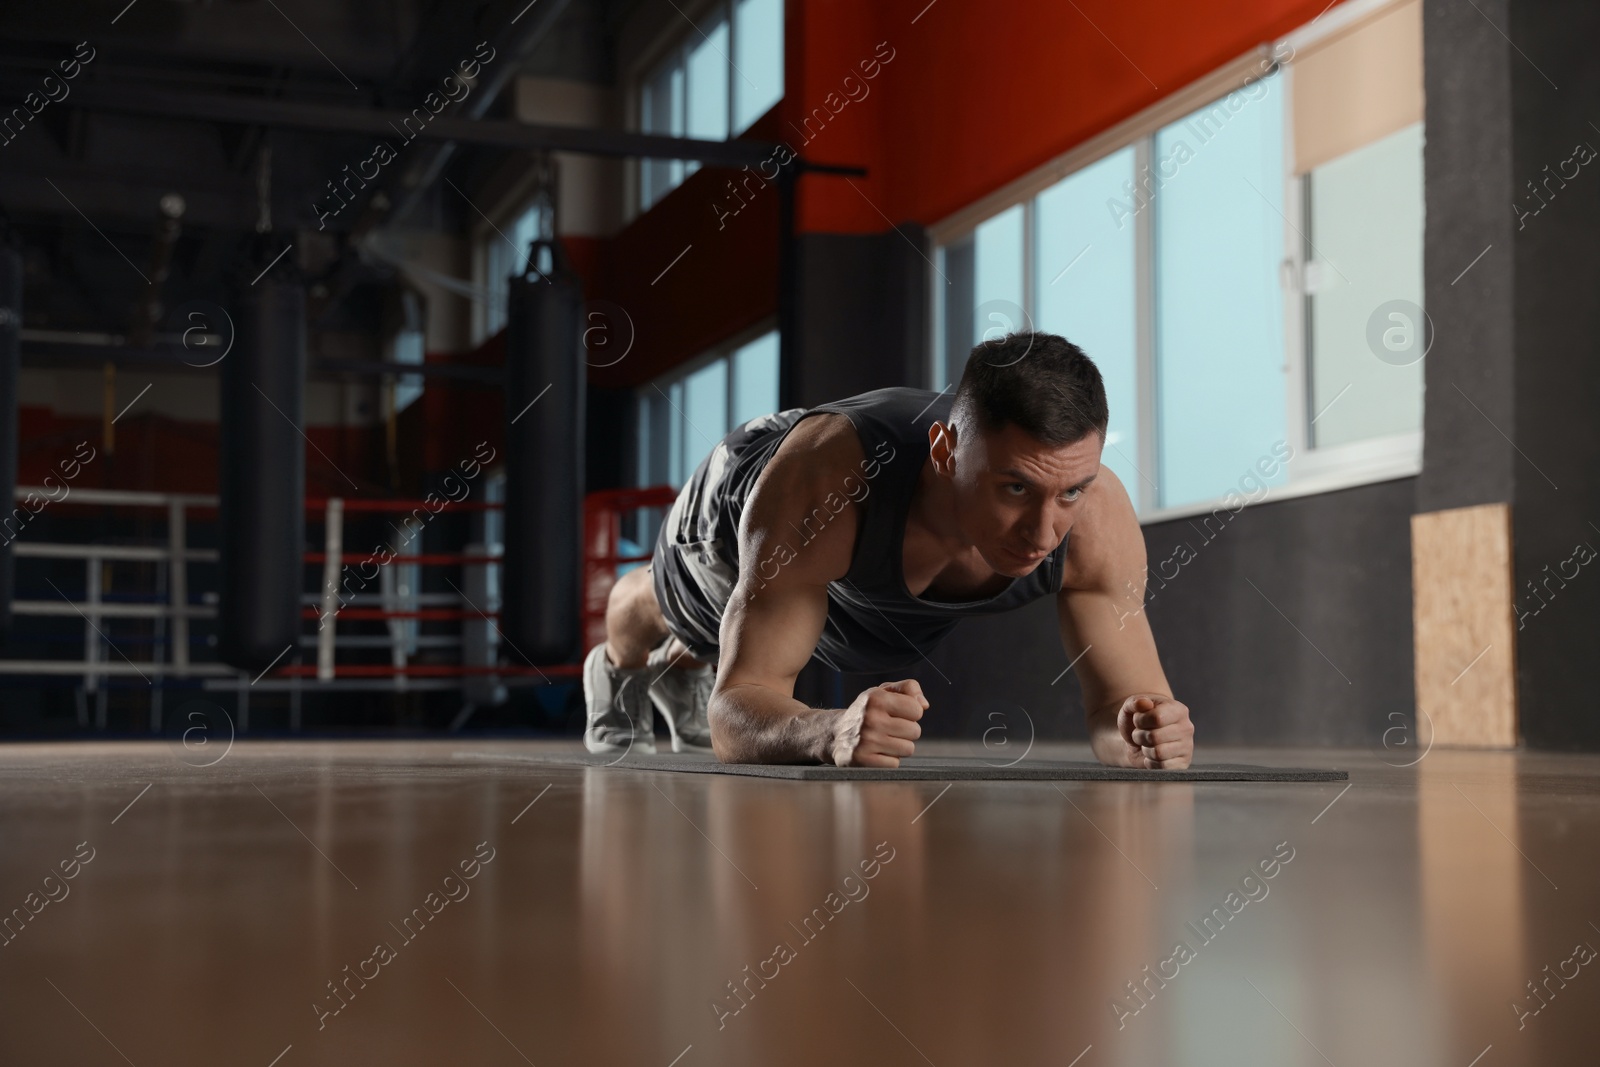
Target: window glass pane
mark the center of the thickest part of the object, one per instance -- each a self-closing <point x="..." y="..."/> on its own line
<point x="708" y="88"/>
<point x="1218" y="182"/>
<point x="498" y="265"/>
<point x="1366" y="235"/>
<point x="956" y="264"/>
<point x="1086" y="286"/>
<point x="755" y="379"/>
<point x="505" y="254"/>
<point x="677" y="471"/>
<point x="997" y="277"/>
<point x="654" y="427"/>
<point x="984" y="296"/>
<point x="661" y="111"/>
<point x="522" y="233"/>
<point x="705" y="410"/>
<point x="708" y="85"/>
<point x="757" y="59"/>
<point x="407" y="348"/>
<point x="658" y="463"/>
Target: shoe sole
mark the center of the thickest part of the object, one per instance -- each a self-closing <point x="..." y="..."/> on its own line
<point x="606" y="748"/>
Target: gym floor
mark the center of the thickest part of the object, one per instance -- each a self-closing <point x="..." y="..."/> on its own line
<point x="567" y="915"/>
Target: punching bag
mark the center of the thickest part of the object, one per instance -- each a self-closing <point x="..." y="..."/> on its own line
<point x="262" y="530"/>
<point x="10" y="329"/>
<point x="545" y="379"/>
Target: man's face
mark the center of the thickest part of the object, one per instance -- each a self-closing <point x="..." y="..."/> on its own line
<point x="1016" y="497"/>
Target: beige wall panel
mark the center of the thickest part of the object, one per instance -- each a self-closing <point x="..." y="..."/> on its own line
<point x="1358" y="86"/>
<point x="1461" y="576"/>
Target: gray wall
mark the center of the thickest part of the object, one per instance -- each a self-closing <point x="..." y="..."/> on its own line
<point x="1330" y="669"/>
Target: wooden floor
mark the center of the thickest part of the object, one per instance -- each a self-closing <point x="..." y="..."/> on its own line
<point x="611" y="915"/>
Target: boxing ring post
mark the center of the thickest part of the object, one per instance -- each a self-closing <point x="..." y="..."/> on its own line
<point x="333" y="550"/>
<point x="10" y="428"/>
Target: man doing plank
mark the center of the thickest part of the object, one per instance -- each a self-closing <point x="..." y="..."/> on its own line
<point x="860" y="532"/>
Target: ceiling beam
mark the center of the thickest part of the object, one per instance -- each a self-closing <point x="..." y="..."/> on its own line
<point x="41" y="354"/>
<point x="391" y="125"/>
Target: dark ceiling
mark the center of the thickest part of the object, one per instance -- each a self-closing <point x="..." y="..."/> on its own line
<point x="86" y="159"/>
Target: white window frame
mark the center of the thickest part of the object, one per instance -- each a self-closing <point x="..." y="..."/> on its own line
<point x="1310" y="471"/>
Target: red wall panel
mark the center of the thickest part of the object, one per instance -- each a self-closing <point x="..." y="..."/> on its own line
<point x="979" y="94"/>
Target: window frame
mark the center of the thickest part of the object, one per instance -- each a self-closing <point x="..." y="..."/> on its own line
<point x="722" y="350"/>
<point x="672" y="48"/>
<point x="504" y="214"/>
<point x="1311" y="470"/>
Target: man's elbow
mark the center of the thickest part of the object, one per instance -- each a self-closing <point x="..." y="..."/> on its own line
<point x="717" y="715"/>
<point x="730" y="733"/>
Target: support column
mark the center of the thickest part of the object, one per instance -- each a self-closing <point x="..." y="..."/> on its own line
<point x="1512" y="266"/>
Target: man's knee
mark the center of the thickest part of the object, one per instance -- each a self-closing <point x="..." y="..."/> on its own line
<point x="634" y="594"/>
<point x="634" y="624"/>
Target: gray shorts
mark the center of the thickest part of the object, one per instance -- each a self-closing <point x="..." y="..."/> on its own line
<point x="696" y="560"/>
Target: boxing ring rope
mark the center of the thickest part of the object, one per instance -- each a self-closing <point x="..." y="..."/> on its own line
<point x="172" y="605"/>
<point x="602" y="548"/>
<point x="603" y="554"/>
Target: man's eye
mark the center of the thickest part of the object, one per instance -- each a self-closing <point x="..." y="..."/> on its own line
<point x="1072" y="494"/>
<point x="1016" y="489"/>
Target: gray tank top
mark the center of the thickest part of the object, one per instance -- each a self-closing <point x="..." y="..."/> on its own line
<point x="874" y="623"/>
<point x="872" y="617"/>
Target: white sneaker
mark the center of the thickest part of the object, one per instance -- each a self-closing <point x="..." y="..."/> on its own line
<point x="681" y="696"/>
<point x="619" y="717"/>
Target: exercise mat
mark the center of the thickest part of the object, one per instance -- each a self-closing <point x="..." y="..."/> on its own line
<point x="921" y="768"/>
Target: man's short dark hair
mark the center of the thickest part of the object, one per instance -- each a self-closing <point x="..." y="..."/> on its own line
<point x="1039" y="382"/>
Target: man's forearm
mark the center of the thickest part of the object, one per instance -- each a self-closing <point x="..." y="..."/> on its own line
<point x="754" y="724"/>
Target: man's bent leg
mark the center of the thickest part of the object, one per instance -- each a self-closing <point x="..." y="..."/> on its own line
<point x="634" y="624"/>
<point x="679" y="685"/>
<point x="616" y="679"/>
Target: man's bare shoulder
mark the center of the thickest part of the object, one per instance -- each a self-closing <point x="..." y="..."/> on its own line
<point x="1106" y="547"/>
<point x="802" y="507"/>
<point x="824" y="439"/>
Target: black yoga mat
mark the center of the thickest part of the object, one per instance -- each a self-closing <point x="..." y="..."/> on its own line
<point x="922" y="768"/>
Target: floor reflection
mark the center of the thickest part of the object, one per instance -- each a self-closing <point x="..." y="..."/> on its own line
<point x="1423" y="915"/>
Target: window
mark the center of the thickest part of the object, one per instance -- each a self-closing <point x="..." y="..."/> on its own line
<point x="683" y="414"/>
<point x="1245" y="271"/>
<point x="726" y="73"/>
<point x="1358" y="258"/>
<point x="1219" y="335"/>
<point x="505" y="253"/>
<point x="757" y="59"/>
<point x="1364" y="244"/>
<point x="1086" y="291"/>
<point x="407" y="346"/>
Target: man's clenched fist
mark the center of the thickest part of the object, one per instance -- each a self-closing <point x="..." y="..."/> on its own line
<point x="889" y="727"/>
<point x="1156" y="732"/>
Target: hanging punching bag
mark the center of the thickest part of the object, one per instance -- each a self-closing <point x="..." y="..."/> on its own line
<point x="10" y="328"/>
<point x="262" y="530"/>
<point x="545" y="378"/>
